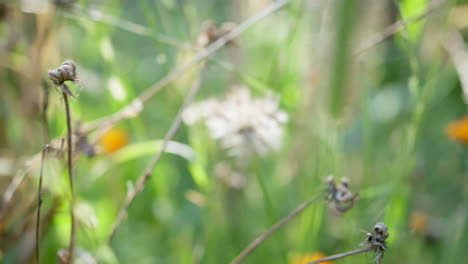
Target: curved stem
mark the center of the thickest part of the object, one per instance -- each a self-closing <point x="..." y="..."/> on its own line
<point x="259" y="240"/>
<point x="342" y="255"/>
<point x="39" y="203"/>
<point x="143" y="179"/>
<point x="71" y="247"/>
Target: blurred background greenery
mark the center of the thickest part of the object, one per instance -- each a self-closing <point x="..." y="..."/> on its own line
<point x="324" y="94"/>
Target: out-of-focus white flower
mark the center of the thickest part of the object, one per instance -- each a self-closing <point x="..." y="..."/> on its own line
<point x="243" y="125"/>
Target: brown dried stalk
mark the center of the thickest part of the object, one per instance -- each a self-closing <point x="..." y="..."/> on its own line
<point x="396" y="27"/>
<point x="143" y="179"/>
<point x="71" y="247"/>
<point x="45" y="106"/>
<point x="67" y="72"/>
<point x="342" y="255"/>
<point x="39" y="203"/>
<point x="259" y="240"/>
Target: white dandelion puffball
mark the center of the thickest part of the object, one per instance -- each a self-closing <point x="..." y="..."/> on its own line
<point x="243" y="125"/>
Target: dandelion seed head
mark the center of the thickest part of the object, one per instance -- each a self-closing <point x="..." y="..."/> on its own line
<point x="243" y="125"/>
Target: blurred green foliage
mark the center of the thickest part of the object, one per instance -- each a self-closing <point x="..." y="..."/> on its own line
<point x="378" y="118"/>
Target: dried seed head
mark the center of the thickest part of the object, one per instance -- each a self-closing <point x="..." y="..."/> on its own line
<point x="340" y="195"/>
<point x="66" y="72"/>
<point x="345" y="182"/>
<point x="381" y="230"/>
<point x="212" y="33"/>
<point x="376" y="240"/>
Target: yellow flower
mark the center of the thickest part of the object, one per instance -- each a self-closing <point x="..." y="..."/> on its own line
<point x="311" y="257"/>
<point x="419" y="222"/>
<point x="114" y="139"/>
<point x="458" y="130"/>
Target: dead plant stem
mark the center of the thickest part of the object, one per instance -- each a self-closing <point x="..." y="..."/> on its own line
<point x="39" y="204"/>
<point x="342" y="255"/>
<point x="71" y="247"/>
<point x="143" y="179"/>
<point x="259" y="240"/>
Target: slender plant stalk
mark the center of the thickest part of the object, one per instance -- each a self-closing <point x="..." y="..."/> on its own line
<point x="342" y="255"/>
<point x="45" y="106"/>
<point x="71" y="247"/>
<point x="45" y="124"/>
<point x="259" y="240"/>
<point x="39" y="204"/>
<point x="143" y="179"/>
<point x="396" y="27"/>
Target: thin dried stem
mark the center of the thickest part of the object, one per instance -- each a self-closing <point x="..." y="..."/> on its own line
<point x="259" y="240"/>
<point x="71" y="247"/>
<point x="343" y="255"/>
<point x="39" y="203"/>
<point x="143" y="179"/>
<point x="45" y="106"/>
<point x="396" y="27"/>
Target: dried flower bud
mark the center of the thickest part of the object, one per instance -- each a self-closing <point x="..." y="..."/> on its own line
<point x="340" y="195"/>
<point x="211" y="33"/>
<point x="66" y="72"/>
<point x="381" y="231"/>
<point x="345" y="182"/>
<point x="376" y="240"/>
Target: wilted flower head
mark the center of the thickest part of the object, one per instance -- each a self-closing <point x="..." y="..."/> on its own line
<point x="66" y="72"/>
<point x="340" y="195"/>
<point x="243" y="125"/>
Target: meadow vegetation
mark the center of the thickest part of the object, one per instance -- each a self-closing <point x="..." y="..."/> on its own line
<point x="237" y="131"/>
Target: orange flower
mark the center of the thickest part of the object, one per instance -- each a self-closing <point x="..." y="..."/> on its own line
<point x="418" y="222"/>
<point x="113" y="139"/>
<point x="458" y="130"/>
<point x="311" y="257"/>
